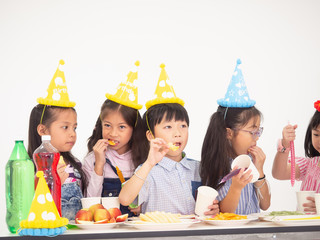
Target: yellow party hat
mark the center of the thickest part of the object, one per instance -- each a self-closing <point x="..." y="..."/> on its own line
<point x="127" y="92"/>
<point x="164" y="92"/>
<point x="43" y="212"/>
<point x="57" y="91"/>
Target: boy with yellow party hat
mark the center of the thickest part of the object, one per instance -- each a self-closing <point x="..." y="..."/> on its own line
<point x="115" y="147"/>
<point x="168" y="180"/>
<point x="55" y="116"/>
<point x="43" y="218"/>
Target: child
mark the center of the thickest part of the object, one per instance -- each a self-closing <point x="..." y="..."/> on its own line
<point x="58" y="119"/>
<point x="307" y="168"/>
<point x="234" y="129"/>
<point x="167" y="181"/>
<point x="115" y="148"/>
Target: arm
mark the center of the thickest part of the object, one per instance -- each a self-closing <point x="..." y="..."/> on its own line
<point x="130" y="190"/>
<point x="230" y="202"/>
<point x="261" y="187"/>
<point x="281" y="169"/>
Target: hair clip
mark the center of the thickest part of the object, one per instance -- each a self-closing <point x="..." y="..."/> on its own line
<point x="317" y="105"/>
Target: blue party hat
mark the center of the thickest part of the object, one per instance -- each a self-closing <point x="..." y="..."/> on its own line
<point x="237" y="94"/>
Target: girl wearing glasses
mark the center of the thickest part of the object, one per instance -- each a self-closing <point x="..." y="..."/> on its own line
<point x="234" y="129"/>
<point x="307" y="169"/>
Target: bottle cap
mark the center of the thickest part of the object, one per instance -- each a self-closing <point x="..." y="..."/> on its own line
<point x="45" y="137"/>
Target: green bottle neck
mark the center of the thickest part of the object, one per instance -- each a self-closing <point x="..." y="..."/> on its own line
<point x="19" y="152"/>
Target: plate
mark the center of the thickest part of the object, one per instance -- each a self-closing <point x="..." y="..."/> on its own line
<point x="297" y="220"/>
<point x="100" y="226"/>
<point x="185" y="223"/>
<point x="231" y="222"/>
<point x="265" y="216"/>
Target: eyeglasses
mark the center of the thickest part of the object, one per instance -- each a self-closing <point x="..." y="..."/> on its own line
<point x="255" y="134"/>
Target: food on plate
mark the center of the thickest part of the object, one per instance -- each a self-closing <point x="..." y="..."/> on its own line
<point x="99" y="215"/>
<point x="94" y="207"/>
<point x="122" y="218"/>
<point x="284" y="213"/>
<point x="112" y="143"/>
<point x="227" y="216"/>
<point x="172" y="146"/>
<point x="159" y="217"/>
<point x="84" y="216"/>
<point x="114" y="212"/>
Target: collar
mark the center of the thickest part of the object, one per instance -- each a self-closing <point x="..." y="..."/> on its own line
<point x="114" y="155"/>
<point x="169" y="164"/>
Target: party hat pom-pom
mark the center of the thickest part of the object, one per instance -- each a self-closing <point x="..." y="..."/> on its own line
<point x="162" y="65"/>
<point x="317" y="105"/>
<point x="61" y="62"/>
<point x="39" y="174"/>
<point x="137" y="63"/>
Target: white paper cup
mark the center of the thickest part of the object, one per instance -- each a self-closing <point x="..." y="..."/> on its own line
<point x="205" y="197"/>
<point x="302" y="198"/>
<point x="110" y="202"/>
<point x="88" y="202"/>
<point x="244" y="161"/>
<point x="317" y="201"/>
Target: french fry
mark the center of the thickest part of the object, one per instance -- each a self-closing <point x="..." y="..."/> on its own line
<point x="228" y="216"/>
<point x="159" y="217"/>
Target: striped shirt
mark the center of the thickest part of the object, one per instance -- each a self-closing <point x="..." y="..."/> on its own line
<point x="170" y="186"/>
<point x="248" y="202"/>
<point x="309" y="173"/>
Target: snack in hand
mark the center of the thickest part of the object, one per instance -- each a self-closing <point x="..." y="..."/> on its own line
<point x="112" y="143"/>
<point x="172" y="146"/>
<point x="159" y="217"/>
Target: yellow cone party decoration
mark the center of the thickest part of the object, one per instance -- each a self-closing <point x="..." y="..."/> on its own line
<point x="164" y="91"/>
<point x="43" y="218"/>
<point x="57" y="91"/>
<point x="127" y="92"/>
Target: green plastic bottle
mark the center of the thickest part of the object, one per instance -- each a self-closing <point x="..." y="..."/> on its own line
<point x="19" y="186"/>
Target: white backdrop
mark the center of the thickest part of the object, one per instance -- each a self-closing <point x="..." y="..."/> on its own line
<point x="198" y="40"/>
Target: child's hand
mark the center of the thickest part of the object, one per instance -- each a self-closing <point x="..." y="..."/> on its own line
<point x="99" y="150"/>
<point x="240" y="180"/>
<point x="258" y="158"/>
<point x="214" y="208"/>
<point x="136" y="211"/>
<point x="158" y="149"/>
<point x="310" y="206"/>
<point x="288" y="135"/>
<point x="62" y="173"/>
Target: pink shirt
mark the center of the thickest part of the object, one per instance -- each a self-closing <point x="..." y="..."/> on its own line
<point x="124" y="163"/>
<point x="309" y="173"/>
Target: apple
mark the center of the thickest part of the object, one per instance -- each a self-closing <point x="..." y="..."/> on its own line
<point x="114" y="212"/>
<point x="94" y="207"/>
<point x="101" y="215"/>
<point x="122" y="218"/>
<point x="83" y="216"/>
<point x="112" y="220"/>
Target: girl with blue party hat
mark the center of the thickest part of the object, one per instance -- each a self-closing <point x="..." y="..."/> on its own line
<point x="115" y="147"/>
<point x="55" y="116"/>
<point x="234" y="129"/>
<point x="167" y="180"/>
<point x="306" y="169"/>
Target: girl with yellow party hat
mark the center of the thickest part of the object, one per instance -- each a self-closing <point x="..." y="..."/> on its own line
<point x="167" y="180"/>
<point x="234" y="129"/>
<point x="55" y="116"/>
<point x="115" y="146"/>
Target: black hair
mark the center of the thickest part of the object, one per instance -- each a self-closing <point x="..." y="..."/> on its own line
<point x="310" y="151"/>
<point x="216" y="150"/>
<point x="155" y="114"/>
<point x="50" y="114"/>
<point x="137" y="144"/>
